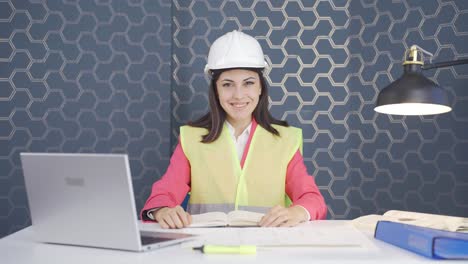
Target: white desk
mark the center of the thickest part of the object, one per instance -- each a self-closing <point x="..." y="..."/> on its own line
<point x="19" y="248"/>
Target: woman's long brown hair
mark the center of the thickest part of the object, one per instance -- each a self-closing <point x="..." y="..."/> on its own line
<point x="214" y="119"/>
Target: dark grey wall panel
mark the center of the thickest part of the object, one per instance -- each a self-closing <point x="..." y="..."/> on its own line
<point x="83" y="76"/>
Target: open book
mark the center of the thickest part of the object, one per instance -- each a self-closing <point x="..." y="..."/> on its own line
<point x="441" y="222"/>
<point x="234" y="218"/>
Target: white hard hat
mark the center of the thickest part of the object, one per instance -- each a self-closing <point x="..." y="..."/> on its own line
<point x="235" y="50"/>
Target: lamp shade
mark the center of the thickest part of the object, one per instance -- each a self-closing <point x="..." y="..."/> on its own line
<point x="412" y="94"/>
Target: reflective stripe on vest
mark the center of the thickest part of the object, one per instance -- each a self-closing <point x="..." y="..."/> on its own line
<point x="218" y="183"/>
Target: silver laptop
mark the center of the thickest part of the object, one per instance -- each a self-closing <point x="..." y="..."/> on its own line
<point x="87" y="200"/>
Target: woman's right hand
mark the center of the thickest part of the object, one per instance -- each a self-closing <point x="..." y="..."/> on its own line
<point x="174" y="217"/>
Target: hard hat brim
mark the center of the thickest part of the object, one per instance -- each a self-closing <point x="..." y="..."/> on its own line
<point x="235" y="65"/>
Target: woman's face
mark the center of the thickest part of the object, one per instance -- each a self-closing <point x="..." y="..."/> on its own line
<point x="238" y="91"/>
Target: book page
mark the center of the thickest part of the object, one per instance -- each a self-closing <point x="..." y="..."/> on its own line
<point x="442" y="222"/>
<point x="367" y="223"/>
<point x="244" y="218"/>
<point x="210" y="219"/>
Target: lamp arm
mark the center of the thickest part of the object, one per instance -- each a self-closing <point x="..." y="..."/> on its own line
<point x="444" y="64"/>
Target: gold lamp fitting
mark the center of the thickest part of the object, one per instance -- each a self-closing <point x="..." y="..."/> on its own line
<point x="413" y="56"/>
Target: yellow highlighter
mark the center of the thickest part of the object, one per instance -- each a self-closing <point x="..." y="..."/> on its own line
<point x="217" y="249"/>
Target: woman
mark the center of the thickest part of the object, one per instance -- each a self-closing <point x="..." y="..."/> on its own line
<point x="237" y="156"/>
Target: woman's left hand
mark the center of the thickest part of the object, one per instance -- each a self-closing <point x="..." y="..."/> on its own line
<point x="280" y="216"/>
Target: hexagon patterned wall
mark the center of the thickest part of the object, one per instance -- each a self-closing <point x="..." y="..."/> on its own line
<point x="122" y="76"/>
<point x="83" y="76"/>
<point x="328" y="61"/>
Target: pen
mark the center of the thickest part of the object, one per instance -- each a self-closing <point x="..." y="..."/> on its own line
<point x="217" y="249"/>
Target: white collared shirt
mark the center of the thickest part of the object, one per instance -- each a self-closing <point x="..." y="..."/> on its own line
<point x="241" y="141"/>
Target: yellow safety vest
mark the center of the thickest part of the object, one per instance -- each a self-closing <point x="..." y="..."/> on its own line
<point x="218" y="183"/>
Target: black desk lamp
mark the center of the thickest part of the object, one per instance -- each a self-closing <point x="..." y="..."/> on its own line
<point x="412" y="93"/>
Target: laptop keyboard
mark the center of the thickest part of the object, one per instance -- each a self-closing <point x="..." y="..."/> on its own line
<point x="146" y="240"/>
<point x="158" y="237"/>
